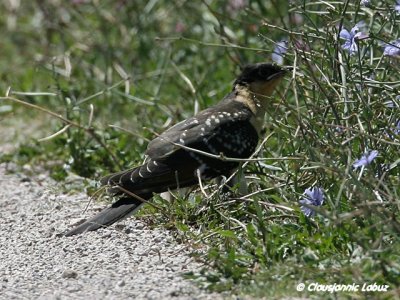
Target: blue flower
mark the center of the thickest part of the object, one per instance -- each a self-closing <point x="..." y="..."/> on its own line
<point x="366" y="159"/>
<point x="313" y="197"/>
<point x="392" y="49"/>
<point x="279" y="52"/>
<point x="352" y="37"/>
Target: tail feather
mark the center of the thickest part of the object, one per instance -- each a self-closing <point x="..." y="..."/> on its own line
<point x="142" y="181"/>
<point x="116" y="212"/>
<point x="114" y="178"/>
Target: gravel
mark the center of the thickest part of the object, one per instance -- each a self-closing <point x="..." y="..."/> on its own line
<point x="129" y="261"/>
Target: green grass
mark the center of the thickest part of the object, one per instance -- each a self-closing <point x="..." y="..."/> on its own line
<point x="142" y="68"/>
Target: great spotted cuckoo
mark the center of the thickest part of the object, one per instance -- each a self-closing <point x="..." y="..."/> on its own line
<point x="195" y="147"/>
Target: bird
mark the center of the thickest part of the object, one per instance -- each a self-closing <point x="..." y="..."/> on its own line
<point x="197" y="147"/>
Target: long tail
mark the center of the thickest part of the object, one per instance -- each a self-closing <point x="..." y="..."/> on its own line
<point x="116" y="212"/>
<point x="143" y="181"/>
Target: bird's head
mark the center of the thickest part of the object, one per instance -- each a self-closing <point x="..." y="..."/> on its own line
<point x="262" y="78"/>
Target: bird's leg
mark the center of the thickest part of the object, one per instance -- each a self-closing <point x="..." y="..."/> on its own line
<point x="233" y="185"/>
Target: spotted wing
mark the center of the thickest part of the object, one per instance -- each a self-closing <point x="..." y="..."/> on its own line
<point x="222" y="131"/>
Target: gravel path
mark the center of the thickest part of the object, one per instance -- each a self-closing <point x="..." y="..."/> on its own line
<point x="37" y="262"/>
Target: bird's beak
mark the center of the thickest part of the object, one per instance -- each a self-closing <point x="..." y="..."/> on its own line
<point x="281" y="73"/>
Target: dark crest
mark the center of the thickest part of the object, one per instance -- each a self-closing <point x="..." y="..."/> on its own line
<point x="258" y="72"/>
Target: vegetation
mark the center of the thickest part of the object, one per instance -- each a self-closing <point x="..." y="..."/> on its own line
<point x="113" y="73"/>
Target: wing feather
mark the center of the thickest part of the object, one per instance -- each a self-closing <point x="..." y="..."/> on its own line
<point x="201" y="127"/>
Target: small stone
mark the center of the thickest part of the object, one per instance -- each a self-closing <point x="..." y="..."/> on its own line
<point x="139" y="226"/>
<point x="26" y="179"/>
<point x="27" y="168"/>
<point x="155" y="248"/>
<point x="106" y="234"/>
<point x="11" y="167"/>
<point x="69" y="274"/>
<point x="158" y="239"/>
<point x="50" y="232"/>
<point x="121" y="283"/>
<point x="41" y="177"/>
<point x="119" y="227"/>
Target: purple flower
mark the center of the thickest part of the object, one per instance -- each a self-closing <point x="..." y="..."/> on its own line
<point x="279" y="52"/>
<point x="180" y="27"/>
<point x="365" y="3"/>
<point x="392" y="49"/>
<point x="313" y="197"/>
<point x="366" y="159"/>
<point x="397" y="6"/>
<point x="396" y="130"/>
<point x="352" y="37"/>
<point x="235" y="6"/>
<point x="393" y="103"/>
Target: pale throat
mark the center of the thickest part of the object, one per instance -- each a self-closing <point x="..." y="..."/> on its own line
<point x="256" y="97"/>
